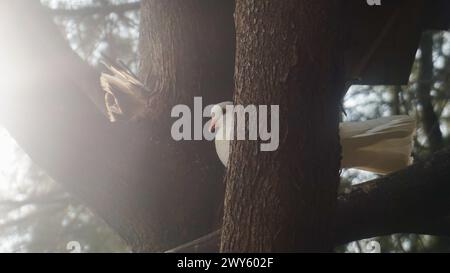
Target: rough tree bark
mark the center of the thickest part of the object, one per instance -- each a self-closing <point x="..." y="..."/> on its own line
<point x="179" y="62"/>
<point x="287" y="54"/>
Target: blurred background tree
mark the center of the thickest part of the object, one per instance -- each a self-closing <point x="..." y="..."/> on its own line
<point x="36" y="215"/>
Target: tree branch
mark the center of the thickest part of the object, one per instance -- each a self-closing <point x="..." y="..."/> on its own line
<point x="133" y="175"/>
<point x="430" y="120"/>
<point x="58" y="126"/>
<point x="414" y="200"/>
<point x="410" y="201"/>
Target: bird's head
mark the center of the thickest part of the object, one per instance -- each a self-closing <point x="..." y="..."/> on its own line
<point x="217" y="112"/>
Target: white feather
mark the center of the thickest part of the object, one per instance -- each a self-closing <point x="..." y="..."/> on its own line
<point x="381" y="146"/>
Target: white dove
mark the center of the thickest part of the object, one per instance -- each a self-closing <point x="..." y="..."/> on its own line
<point x="381" y="146"/>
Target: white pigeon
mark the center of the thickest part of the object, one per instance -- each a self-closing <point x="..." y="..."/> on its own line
<point x="381" y="146"/>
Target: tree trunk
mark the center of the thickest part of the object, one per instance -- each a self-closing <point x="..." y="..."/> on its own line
<point x="288" y="54"/>
<point x="395" y="104"/>
<point x="426" y="81"/>
<point x="186" y="49"/>
<point x="155" y="192"/>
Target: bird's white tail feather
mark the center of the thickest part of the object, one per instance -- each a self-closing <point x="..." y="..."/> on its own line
<point x="381" y="146"/>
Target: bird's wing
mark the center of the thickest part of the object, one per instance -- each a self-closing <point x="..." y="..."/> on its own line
<point x="366" y="133"/>
<point x="381" y="146"/>
<point x="123" y="73"/>
<point x="125" y="95"/>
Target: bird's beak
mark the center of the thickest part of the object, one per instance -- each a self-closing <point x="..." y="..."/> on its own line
<point x="213" y="124"/>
